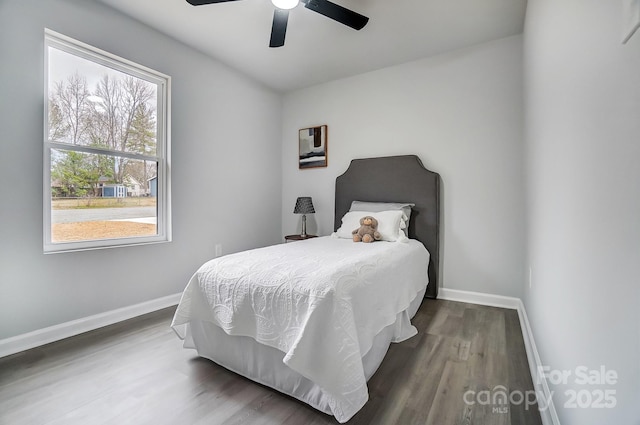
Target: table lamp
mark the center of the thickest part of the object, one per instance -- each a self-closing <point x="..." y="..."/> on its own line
<point x="304" y="206"/>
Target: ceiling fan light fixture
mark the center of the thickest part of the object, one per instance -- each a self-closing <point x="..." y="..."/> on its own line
<point x="285" y="4"/>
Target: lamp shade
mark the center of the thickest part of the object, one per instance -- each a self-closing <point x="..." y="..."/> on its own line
<point x="304" y="206"/>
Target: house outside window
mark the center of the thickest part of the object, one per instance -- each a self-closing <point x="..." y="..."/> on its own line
<point x="106" y="149"/>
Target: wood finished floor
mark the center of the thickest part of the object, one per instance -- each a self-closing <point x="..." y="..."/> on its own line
<point x="136" y="372"/>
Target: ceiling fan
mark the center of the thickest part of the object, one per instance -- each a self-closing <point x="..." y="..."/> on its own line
<point x="281" y="15"/>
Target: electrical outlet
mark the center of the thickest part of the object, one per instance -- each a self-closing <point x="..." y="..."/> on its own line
<point x="218" y="249"/>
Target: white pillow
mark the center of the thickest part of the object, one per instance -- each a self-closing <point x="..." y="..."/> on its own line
<point x="385" y="206"/>
<point x="388" y="224"/>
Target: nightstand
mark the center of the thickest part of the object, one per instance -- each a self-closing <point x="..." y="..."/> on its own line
<point x="290" y="238"/>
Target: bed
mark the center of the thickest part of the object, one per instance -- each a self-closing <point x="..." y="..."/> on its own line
<point x="314" y="319"/>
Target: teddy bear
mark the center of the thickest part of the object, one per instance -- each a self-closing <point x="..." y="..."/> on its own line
<point x="367" y="231"/>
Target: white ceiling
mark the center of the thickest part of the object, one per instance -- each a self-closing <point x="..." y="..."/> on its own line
<point x="318" y="49"/>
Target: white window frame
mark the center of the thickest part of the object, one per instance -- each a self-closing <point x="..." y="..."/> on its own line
<point x="163" y="201"/>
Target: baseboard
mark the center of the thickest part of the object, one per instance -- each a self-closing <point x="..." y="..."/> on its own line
<point x="548" y="414"/>
<point x="44" y="336"/>
<point x="479" y="298"/>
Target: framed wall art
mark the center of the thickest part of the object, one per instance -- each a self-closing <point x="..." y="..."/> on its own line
<point x="312" y="144"/>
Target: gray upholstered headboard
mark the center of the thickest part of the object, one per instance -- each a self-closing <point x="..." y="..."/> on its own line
<point x="397" y="179"/>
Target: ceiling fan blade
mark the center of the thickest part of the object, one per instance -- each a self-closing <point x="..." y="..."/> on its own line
<point x="337" y="13"/>
<point x="279" y="27"/>
<point x="203" y="2"/>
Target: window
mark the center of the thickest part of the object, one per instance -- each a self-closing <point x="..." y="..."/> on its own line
<point x="106" y="149"/>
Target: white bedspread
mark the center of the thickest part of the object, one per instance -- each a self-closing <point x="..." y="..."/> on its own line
<point x="320" y="301"/>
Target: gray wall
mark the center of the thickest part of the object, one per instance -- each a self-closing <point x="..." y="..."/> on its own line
<point x="582" y="91"/>
<point x="461" y="112"/>
<point x="226" y="164"/>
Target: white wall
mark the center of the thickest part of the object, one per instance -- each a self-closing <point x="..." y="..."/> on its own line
<point x="226" y="133"/>
<point x="461" y="113"/>
<point x="582" y="90"/>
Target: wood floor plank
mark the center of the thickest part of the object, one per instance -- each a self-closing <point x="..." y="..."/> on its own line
<point x="136" y="372"/>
